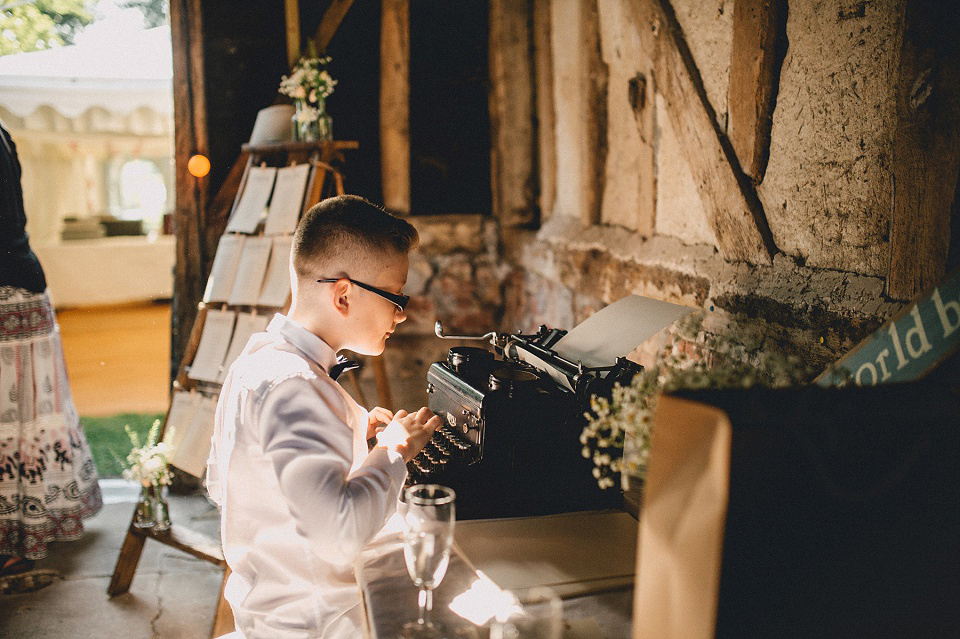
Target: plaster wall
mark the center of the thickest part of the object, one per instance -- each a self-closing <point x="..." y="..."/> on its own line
<point x="828" y="189"/>
<point x="626" y="195"/>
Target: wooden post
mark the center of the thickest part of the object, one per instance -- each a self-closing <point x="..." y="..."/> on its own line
<point x="546" y="159"/>
<point x="292" y="20"/>
<point x="395" y="105"/>
<point x="754" y="76"/>
<point x="594" y="87"/>
<point x="190" y="136"/>
<point x="512" y="171"/>
<point x="926" y="148"/>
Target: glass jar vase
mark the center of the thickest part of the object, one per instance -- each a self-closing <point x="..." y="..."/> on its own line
<point x="161" y="509"/>
<point x="143" y="516"/>
<point x="311" y="122"/>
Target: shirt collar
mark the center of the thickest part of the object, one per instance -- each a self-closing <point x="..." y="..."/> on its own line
<point x="297" y="335"/>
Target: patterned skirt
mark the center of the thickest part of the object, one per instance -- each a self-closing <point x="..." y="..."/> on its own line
<point x="48" y="482"/>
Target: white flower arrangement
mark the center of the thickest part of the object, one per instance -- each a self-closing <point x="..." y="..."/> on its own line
<point x="618" y="432"/>
<point x="310" y="84"/>
<point x="148" y="464"/>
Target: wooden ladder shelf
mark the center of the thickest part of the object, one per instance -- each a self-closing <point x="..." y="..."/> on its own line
<point x="324" y="180"/>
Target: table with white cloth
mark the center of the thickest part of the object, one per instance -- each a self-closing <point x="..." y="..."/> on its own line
<point x="586" y="558"/>
<point x="108" y="270"/>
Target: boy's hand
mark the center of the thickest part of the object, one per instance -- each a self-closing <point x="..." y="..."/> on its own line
<point x="377" y="420"/>
<point x="408" y="433"/>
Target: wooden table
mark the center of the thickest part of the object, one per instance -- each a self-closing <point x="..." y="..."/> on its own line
<point x="588" y="559"/>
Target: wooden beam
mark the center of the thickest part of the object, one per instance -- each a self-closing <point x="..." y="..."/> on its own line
<point x="754" y="75"/>
<point x="291" y="12"/>
<point x="546" y="160"/>
<point x="190" y="137"/>
<point x="733" y="209"/>
<point x="330" y="22"/>
<point x="512" y="171"/>
<point x="595" y="86"/>
<point x="395" y="104"/>
<point x="926" y="148"/>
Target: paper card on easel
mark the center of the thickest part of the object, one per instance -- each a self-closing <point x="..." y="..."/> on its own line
<point x="191" y="455"/>
<point x="287" y="200"/>
<point x="276" y="285"/>
<point x="247" y="325"/>
<point x="253" y="200"/>
<point x="182" y="407"/>
<point x="250" y="272"/>
<point x="214" y="341"/>
<point x="224" y="269"/>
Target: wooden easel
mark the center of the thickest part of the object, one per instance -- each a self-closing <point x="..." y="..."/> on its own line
<point x="324" y="180"/>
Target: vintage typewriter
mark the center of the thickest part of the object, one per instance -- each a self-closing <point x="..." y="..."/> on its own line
<point x="513" y="416"/>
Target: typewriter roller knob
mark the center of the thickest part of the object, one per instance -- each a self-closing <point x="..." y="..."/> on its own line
<point x="463" y="358"/>
<point x="512" y="380"/>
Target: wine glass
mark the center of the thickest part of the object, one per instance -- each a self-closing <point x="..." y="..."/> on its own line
<point x="429" y="515"/>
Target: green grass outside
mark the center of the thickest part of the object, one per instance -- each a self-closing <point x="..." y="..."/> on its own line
<point x="109" y="442"/>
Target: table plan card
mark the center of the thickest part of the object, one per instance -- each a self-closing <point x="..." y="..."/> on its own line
<point x="287" y="200"/>
<point x="253" y="200"/>
<point x="191" y="455"/>
<point x="250" y="272"/>
<point x="247" y="324"/>
<point x="276" y="285"/>
<point x="182" y="407"/>
<point x="214" y="341"/>
<point x="224" y="269"/>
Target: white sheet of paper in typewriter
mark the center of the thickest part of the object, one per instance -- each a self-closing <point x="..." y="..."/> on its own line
<point x="613" y="332"/>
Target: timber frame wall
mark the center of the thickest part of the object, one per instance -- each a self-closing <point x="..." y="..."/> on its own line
<point x="553" y="163"/>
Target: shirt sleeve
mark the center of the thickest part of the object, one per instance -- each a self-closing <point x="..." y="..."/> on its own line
<point x="306" y="438"/>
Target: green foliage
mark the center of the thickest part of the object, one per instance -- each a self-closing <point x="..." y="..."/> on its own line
<point x="110" y="442"/>
<point x="154" y="12"/>
<point x="42" y="24"/>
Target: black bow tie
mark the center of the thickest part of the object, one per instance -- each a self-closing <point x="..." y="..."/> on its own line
<point x="343" y="364"/>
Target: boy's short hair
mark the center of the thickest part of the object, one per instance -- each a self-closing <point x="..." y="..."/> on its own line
<point x="342" y="231"/>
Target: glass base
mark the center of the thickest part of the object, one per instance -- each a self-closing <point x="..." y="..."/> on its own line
<point x="427" y="630"/>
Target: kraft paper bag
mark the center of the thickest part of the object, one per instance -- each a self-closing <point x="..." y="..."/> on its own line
<point x="802" y="513"/>
<point x="682" y="521"/>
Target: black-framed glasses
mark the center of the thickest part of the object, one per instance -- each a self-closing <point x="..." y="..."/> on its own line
<point x="400" y="301"/>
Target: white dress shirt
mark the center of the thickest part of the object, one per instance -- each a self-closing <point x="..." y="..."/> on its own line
<point x="299" y="494"/>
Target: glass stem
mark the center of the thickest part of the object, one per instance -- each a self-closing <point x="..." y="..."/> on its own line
<point x="426" y="605"/>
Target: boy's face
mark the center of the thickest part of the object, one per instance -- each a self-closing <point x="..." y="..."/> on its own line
<point x="374" y="317"/>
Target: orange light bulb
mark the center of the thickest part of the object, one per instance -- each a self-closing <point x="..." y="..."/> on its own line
<point x="198" y="165"/>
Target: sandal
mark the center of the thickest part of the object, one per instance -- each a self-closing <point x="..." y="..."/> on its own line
<point x="15" y="566"/>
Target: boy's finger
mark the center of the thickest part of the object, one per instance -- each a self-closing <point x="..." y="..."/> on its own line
<point x="382" y="414"/>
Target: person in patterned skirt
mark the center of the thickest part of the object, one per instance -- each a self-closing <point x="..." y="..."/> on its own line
<point x="48" y="482"/>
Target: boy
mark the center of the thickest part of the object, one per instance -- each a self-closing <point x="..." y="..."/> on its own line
<point x="299" y="492"/>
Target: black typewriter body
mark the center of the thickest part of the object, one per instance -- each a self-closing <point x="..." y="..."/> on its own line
<point x="510" y="442"/>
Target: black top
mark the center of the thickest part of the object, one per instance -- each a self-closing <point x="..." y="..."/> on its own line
<point x="18" y="265"/>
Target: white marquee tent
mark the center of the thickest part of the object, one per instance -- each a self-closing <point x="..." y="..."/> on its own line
<point x="79" y="114"/>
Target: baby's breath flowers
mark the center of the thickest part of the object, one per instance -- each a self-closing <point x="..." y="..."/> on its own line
<point x="618" y="431"/>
